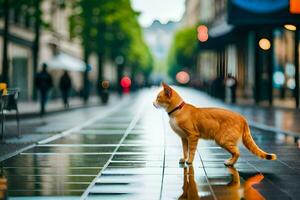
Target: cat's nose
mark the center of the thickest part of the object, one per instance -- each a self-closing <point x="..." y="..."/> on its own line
<point x="154" y="104"/>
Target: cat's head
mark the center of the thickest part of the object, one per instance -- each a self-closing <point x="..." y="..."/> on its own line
<point x="167" y="97"/>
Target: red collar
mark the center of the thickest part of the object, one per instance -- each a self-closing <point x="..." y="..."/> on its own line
<point x="177" y="108"/>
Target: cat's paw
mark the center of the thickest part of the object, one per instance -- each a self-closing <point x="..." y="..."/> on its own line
<point x="189" y="162"/>
<point x="181" y="161"/>
<point x="228" y="164"/>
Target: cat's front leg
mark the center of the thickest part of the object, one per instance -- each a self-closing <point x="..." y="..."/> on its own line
<point x="192" y="146"/>
<point x="185" y="150"/>
<point x="235" y="182"/>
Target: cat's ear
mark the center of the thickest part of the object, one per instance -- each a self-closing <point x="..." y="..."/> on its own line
<point x="167" y="89"/>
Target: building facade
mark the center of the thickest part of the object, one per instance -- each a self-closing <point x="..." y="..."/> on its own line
<point x="158" y="37"/>
<point x="191" y="16"/>
<point x="257" y="44"/>
<point x="54" y="40"/>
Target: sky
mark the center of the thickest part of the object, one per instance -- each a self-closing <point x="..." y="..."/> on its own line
<point x="163" y="10"/>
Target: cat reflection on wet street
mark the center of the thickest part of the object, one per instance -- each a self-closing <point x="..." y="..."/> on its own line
<point x="236" y="189"/>
<point x="190" y="187"/>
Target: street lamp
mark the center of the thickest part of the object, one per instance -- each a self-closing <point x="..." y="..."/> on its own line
<point x="264" y="44"/>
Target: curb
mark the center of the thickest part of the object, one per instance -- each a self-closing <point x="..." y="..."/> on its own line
<point x="7" y="156"/>
<point x="11" y="116"/>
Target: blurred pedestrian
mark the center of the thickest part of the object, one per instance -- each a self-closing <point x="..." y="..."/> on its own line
<point x="104" y="92"/>
<point x="43" y="82"/>
<point x="218" y="88"/>
<point x="231" y="82"/>
<point x="65" y="86"/>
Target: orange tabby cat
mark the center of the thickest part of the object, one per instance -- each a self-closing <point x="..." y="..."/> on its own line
<point x="191" y="124"/>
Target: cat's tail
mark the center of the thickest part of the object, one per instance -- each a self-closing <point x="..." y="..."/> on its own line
<point x="252" y="147"/>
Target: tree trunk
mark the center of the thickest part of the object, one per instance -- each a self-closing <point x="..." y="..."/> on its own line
<point x="5" y="63"/>
<point x="36" y="43"/>
<point x="296" y="63"/>
<point x="120" y="69"/>
<point x="86" y="82"/>
<point x="270" y="68"/>
<point x="100" y="72"/>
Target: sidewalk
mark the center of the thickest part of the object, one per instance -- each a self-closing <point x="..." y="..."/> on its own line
<point x="132" y="153"/>
<point x="35" y="128"/>
<point x="32" y="108"/>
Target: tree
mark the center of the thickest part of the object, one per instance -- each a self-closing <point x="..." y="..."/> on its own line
<point x="110" y="29"/>
<point x="36" y="42"/>
<point x="28" y="9"/>
<point x="5" y="63"/>
<point x="183" y="50"/>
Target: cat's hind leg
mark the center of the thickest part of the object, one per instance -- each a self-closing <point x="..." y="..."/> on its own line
<point x="235" y="154"/>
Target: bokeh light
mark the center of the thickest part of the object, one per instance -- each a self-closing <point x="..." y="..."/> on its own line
<point x="202" y="28"/>
<point x="264" y="44"/>
<point x="278" y="78"/>
<point x="290" y="27"/>
<point x="182" y="77"/>
<point x="202" y="33"/>
<point x="105" y="84"/>
<point x="291" y="84"/>
<point x="290" y="69"/>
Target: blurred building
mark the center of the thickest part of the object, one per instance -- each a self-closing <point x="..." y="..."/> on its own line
<point x="256" y="42"/>
<point x="55" y="43"/>
<point x="192" y="12"/>
<point x="158" y="37"/>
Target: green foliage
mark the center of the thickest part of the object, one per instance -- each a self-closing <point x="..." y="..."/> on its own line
<point x="110" y="29"/>
<point x="139" y="55"/>
<point x="183" y="50"/>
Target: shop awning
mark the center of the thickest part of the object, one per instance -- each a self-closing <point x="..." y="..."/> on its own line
<point x="261" y="12"/>
<point x="66" y="62"/>
<point x="222" y="28"/>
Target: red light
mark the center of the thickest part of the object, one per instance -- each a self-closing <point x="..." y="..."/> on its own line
<point x="202" y="37"/>
<point x="202" y="29"/>
<point x="202" y="33"/>
<point x="125" y="82"/>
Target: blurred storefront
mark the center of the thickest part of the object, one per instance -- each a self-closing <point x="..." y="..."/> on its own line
<point x="255" y="42"/>
<point x="20" y="43"/>
<point x="54" y="38"/>
<point x="55" y="41"/>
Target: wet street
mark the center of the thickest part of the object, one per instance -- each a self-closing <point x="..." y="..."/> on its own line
<point x="131" y="152"/>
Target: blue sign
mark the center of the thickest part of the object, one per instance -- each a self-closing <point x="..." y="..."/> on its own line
<point x="261" y="6"/>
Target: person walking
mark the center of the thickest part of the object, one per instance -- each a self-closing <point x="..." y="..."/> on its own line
<point x="65" y="86"/>
<point x="231" y="82"/>
<point x="43" y="82"/>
